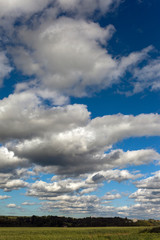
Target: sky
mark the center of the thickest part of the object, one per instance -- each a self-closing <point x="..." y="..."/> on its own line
<point x="79" y="108"/>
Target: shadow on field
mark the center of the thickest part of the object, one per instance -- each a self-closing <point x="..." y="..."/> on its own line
<point x="152" y="230"/>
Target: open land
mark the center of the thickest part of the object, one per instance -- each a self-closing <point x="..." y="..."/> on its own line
<point x="105" y="233"/>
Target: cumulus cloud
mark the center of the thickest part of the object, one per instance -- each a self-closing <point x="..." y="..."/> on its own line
<point x="110" y="196"/>
<point x="5" y="67"/>
<point x="14" y="180"/>
<point x="151" y="182"/>
<point x="23" y="116"/>
<point x="16" y="8"/>
<point x="12" y="205"/>
<point x="148" y="190"/>
<point x="64" y="162"/>
<point x="71" y="57"/>
<point x="67" y="56"/>
<point x="147" y="198"/>
<point x="9" y="162"/>
<point x="139" y="157"/>
<point x="76" y="144"/>
<point x="95" y="206"/>
<point x="147" y="77"/>
<point x="79" y="205"/>
<point x="87" y="7"/>
<point x="28" y="203"/>
<point x="3" y="197"/>
<point x="72" y="204"/>
<point x="42" y="189"/>
<point x="112" y="175"/>
<point x="65" y="140"/>
<point x="81" y="185"/>
<point x="145" y="210"/>
<point x="13" y="185"/>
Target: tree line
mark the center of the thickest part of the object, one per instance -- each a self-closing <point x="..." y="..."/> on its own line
<point x="55" y="221"/>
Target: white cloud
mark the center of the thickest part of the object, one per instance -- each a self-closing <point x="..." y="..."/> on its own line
<point x="69" y="57"/>
<point x="2" y="197"/>
<point x="82" y="149"/>
<point x="5" y="67"/>
<point x="147" y="77"/>
<point x="150" y="183"/>
<point x="42" y="189"/>
<point x="9" y="162"/>
<point x="16" y="8"/>
<point x="66" y="140"/>
<point x="140" y="211"/>
<point x="58" y="158"/>
<point x="13" y="185"/>
<point x="87" y="7"/>
<point x="12" y="205"/>
<point x="95" y="206"/>
<point x="111" y="175"/>
<point x="110" y="196"/>
<point x="23" y="116"/>
<point x="28" y="203"/>
<point x="13" y="179"/>
<point x="80" y="185"/>
<point x="78" y="205"/>
<point x="139" y="157"/>
<point x="148" y="190"/>
<point x="147" y="198"/>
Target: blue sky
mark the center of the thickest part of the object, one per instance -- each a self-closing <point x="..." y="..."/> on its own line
<point x="79" y="108"/>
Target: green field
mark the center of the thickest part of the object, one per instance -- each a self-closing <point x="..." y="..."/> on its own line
<point x="110" y="233"/>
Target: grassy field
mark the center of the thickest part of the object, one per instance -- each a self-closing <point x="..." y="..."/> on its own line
<point x="110" y="233"/>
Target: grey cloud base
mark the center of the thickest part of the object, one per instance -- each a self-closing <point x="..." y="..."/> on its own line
<point x="66" y="140"/>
